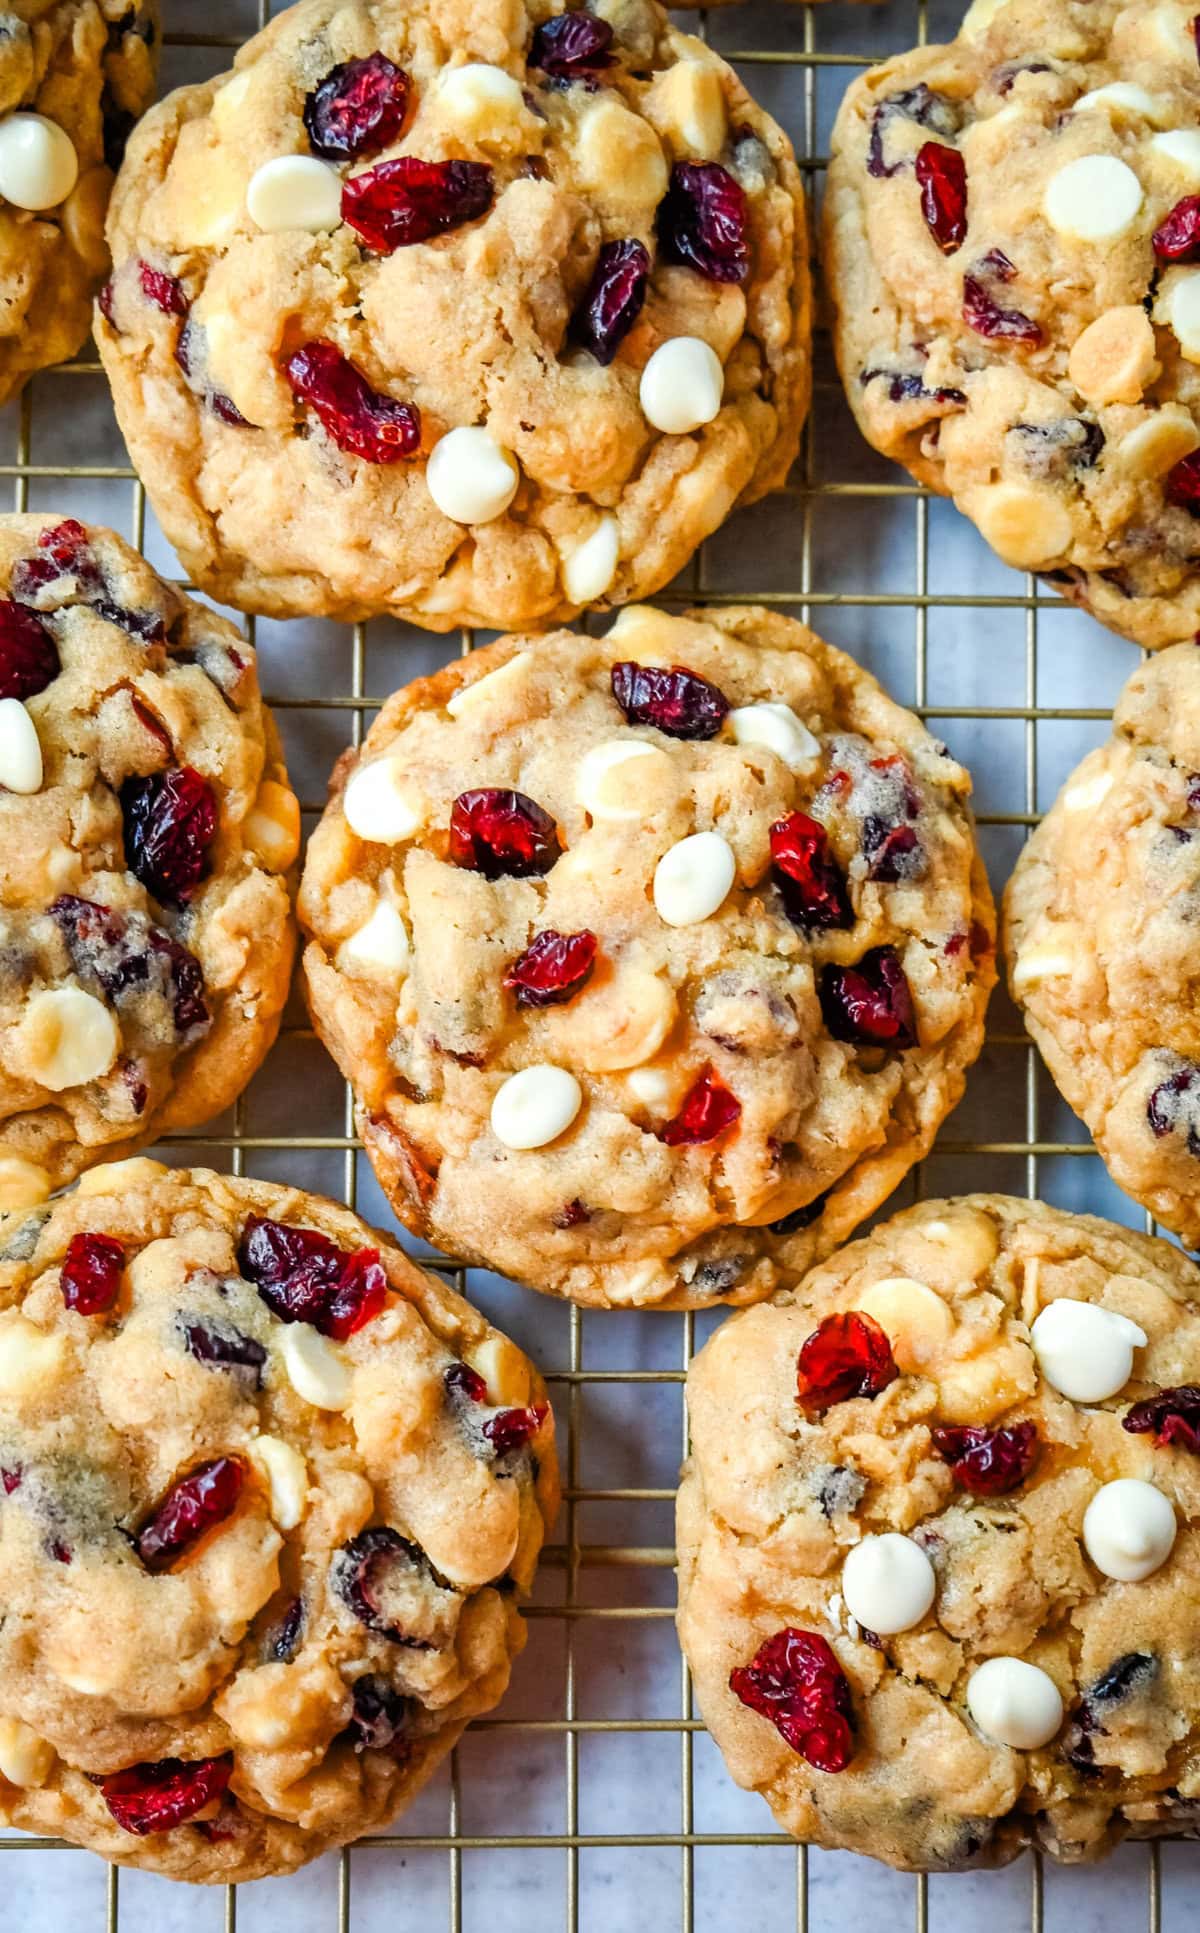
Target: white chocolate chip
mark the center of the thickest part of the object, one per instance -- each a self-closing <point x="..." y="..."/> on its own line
<point x="295" y="191"/>
<point x="1125" y="97"/>
<point x="380" y="948"/>
<point x="29" y="1358"/>
<point x="692" y="879"/>
<point x="1181" y="147"/>
<point x="271" y="828"/>
<point x="652" y="1086"/>
<point x="1033" y="964"/>
<point x="1129" y="1529"/>
<point x="1015" y="1703"/>
<point x="119" y="1177"/>
<point x="23" y="1184"/>
<point x="616" y="779"/>
<point x="687" y="103"/>
<point x="471" y="478"/>
<point x="495" y="690"/>
<point x="1085" y="1352"/>
<point x="314" y="1369"/>
<point x="378" y="806"/>
<point x="1158" y="443"/>
<point x="777" y="728"/>
<point x="20" y="749"/>
<point x="503" y="1368"/>
<point x="38" y="164"/>
<point x="534" y="1107"/>
<point x="68" y="1038"/>
<point x="1179" y="306"/>
<point x="888" y="1583"/>
<point x="484" y="102"/>
<point x="1093" y="199"/>
<point x="915" y="1319"/>
<point x="1026" y="525"/>
<point x="26" y="1758"/>
<point x="1113" y="359"/>
<point x="589" y="569"/>
<point x="1088" y="793"/>
<point x="979" y="16"/>
<point x="682" y="385"/>
<point x="285" y="1474"/>
<point x="618" y="156"/>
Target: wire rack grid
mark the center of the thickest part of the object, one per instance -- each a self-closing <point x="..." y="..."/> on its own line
<point x="594" y="1797"/>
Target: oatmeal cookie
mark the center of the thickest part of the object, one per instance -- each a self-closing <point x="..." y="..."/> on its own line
<point x="269" y="1493"/>
<point x="147" y="835"/>
<point x="938" y="1563"/>
<point x="464" y="310"/>
<point x="1101" y="940"/>
<point x="655" y="960"/>
<point x="1012" y="232"/>
<point x="74" y="76"/>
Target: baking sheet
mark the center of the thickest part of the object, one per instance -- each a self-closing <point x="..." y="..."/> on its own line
<point x="594" y="1801"/>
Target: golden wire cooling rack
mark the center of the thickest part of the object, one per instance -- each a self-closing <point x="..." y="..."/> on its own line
<point x="594" y="1798"/>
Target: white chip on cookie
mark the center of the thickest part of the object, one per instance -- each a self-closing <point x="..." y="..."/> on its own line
<point x="682" y="386"/>
<point x="1129" y="1529"/>
<point x="1014" y="1702"/>
<point x="619" y="778"/>
<point x="380" y="947"/>
<point x="21" y="768"/>
<point x="1125" y="97"/>
<point x="314" y="1369"/>
<point x="777" y="728"/>
<point x="1085" y="1351"/>
<point x="536" y="1105"/>
<point x="285" y="1474"/>
<point x="590" y="567"/>
<point x="692" y="880"/>
<point x="1094" y="198"/>
<point x="68" y="1038"/>
<point x="1181" y="148"/>
<point x="25" y="1757"/>
<point x="484" y="102"/>
<point x="888" y="1583"/>
<point x="295" y="191"/>
<point x="38" y="163"/>
<point x="379" y="805"/>
<point x="471" y="478"/>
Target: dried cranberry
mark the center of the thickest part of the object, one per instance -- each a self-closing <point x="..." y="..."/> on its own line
<point x="988" y="1462"/>
<point x="702" y="222"/>
<point x="165" y="1792"/>
<point x="359" y="106"/>
<point x="170" y="822"/>
<point x="511" y="1429"/>
<point x="461" y="1380"/>
<point x="892" y="852"/>
<point x="571" y="1214"/>
<point x="572" y="47"/>
<point x="553" y="969"/>
<point x="1183" y="482"/>
<point x="811" y="884"/>
<point x="194" y="1506"/>
<point x="186" y="356"/>
<point x="942" y="178"/>
<point x="285" y="1639"/>
<point x="358" y="418"/>
<point x="165" y="291"/>
<point x="125" y="956"/>
<point x="919" y="104"/>
<point x="906" y="387"/>
<point x="400" y="202"/>
<point x="708" y="1110"/>
<point x="795" y="1680"/>
<point x="799" y="1218"/>
<point x="502" y="834"/>
<point x="1170" y="1417"/>
<point x="676" y="701"/>
<point x="869" y="1005"/>
<point x="359" y="1575"/>
<point x="846" y="1356"/>
<point x="90" y="1278"/>
<point x="612" y="301"/>
<point x="380" y="1717"/>
<point x="12" y="1479"/>
<point x="28" y="654"/>
<point x="65" y="552"/>
<point x="148" y="627"/>
<point x="104" y="302"/>
<point x="1196" y="33"/>
<point x="983" y="313"/>
<point x="221" y="1346"/>
<point x="1177" y="237"/>
<point x="304" y="1277"/>
<point x="186" y="977"/>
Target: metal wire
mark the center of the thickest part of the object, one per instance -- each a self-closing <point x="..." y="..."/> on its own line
<point x="577" y="1567"/>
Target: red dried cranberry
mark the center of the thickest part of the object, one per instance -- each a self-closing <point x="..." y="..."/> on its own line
<point x="194" y="1506"/>
<point x="360" y="105"/>
<point x="869" y="1005"/>
<point x="359" y="1575"/>
<point x="358" y="418"/>
<point x="170" y="822"/>
<point x="380" y="1718"/>
<point x="1183" y="483"/>
<point x="988" y="1462"/>
<point x="165" y="291"/>
<point x="221" y="1346"/>
<point x="164" y="1792"/>
<point x="66" y="552"/>
<point x="502" y="834"/>
<point x="359" y="1294"/>
<point x="942" y="178"/>
<point x="511" y="1429"/>
<point x="846" y="1356"/>
<point x="12" y="1479"/>
<point x="810" y="881"/>
<point x="983" y="313"/>
<point x="571" y="1214"/>
<point x="708" y="1110"/>
<point x="678" y="702"/>
<point x="104" y="302"/>
<point x="400" y="202"/>
<point x="572" y="47"/>
<point x="702" y="222"/>
<point x="612" y="301"/>
<point x="892" y="852"/>
<point x="124" y="954"/>
<point x="90" y="1278"/>
<point x="1170" y="1417"/>
<point x="304" y="1277"/>
<point x="28" y="654"/>
<point x="795" y="1680"/>
<point x="1177" y="238"/>
<point x="461" y="1380"/>
<point x="553" y="969"/>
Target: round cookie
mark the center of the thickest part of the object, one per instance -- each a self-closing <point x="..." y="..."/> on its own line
<point x="147" y="834"/>
<point x="938" y="1539"/>
<point x="74" y="77"/>
<point x="655" y="960"/>
<point x="269" y="1495"/>
<point x="1101" y="940"/>
<point x="473" y="313"/>
<point x="1008" y="233"/>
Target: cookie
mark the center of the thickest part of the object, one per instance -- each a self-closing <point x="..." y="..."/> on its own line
<point x="147" y="834"/>
<point x="655" y="960"/>
<point x="269" y="1495"/>
<point x="1101" y="946"/>
<point x="937" y="1539"/>
<point x="1010" y="235"/>
<point x="74" y="76"/>
<point x="462" y="310"/>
